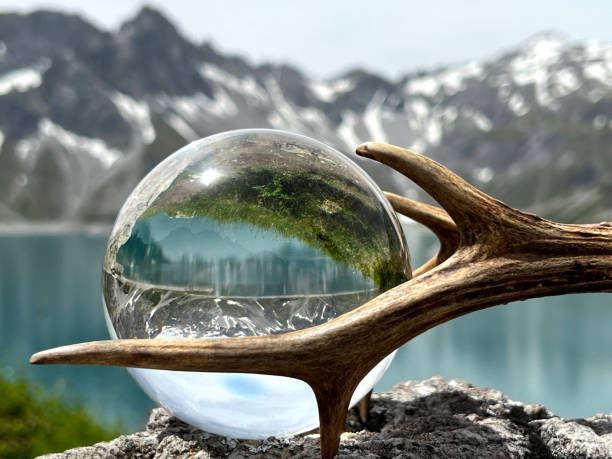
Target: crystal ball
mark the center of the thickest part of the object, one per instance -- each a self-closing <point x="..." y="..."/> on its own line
<point x="247" y="232"/>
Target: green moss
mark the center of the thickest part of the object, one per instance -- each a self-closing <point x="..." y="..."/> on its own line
<point x="326" y="213"/>
<point x="34" y="423"/>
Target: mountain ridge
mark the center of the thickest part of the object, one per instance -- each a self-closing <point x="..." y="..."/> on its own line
<point x="85" y="113"/>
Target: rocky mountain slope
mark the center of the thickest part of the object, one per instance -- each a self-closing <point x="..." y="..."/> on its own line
<point x="84" y="114"/>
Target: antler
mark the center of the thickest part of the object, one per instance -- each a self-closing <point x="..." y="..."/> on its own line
<point x="499" y="255"/>
<point x="436" y="220"/>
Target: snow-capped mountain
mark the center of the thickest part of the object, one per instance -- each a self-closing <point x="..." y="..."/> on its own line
<point x="84" y="114"/>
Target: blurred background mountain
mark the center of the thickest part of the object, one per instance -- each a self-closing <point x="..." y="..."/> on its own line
<point x="86" y="113"/>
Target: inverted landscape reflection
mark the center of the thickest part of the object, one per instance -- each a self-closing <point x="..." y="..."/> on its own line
<point x="231" y="258"/>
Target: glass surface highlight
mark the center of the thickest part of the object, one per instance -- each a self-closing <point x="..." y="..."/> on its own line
<point x="246" y="233"/>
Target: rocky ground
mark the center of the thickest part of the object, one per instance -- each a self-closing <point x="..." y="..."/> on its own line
<point x="417" y="419"/>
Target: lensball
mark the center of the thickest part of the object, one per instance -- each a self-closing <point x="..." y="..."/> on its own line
<point x="247" y="232"/>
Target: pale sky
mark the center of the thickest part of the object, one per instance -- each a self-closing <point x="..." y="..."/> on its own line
<point x="325" y="38"/>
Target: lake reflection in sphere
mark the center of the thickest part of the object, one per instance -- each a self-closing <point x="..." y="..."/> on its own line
<point x="244" y="233"/>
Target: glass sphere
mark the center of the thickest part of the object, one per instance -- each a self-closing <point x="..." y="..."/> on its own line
<point x="243" y="233"/>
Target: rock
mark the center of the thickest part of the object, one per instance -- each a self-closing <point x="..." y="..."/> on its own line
<point x="417" y="419"/>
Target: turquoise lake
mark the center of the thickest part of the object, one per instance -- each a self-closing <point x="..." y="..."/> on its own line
<point x="556" y="351"/>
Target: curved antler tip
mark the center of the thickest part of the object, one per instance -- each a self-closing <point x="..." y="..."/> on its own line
<point x="363" y="150"/>
<point x="62" y="354"/>
<point x="380" y="150"/>
<point x="38" y="358"/>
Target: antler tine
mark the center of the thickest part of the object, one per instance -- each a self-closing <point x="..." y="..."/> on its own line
<point x="486" y="226"/>
<point x="473" y="211"/>
<point x="434" y="218"/>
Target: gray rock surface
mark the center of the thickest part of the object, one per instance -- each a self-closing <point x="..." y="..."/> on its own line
<point x="417" y="419"/>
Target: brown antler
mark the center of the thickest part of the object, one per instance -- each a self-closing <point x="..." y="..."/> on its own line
<point x="501" y="255"/>
<point x="436" y="220"/>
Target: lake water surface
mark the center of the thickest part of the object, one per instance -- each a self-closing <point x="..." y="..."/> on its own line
<point x="556" y="351"/>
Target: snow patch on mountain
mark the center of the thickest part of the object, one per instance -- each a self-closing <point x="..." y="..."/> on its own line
<point x="433" y="131"/>
<point x="565" y="82"/>
<point x="276" y="121"/>
<point x="484" y="174"/>
<point x="222" y="105"/>
<point x="600" y="122"/>
<point x="420" y="108"/>
<point x="136" y="113"/>
<point x="28" y="150"/>
<point x="346" y="129"/>
<point x="427" y="86"/>
<point x="418" y="145"/>
<point x="24" y="150"/>
<point x="192" y="108"/>
<point x="372" y="117"/>
<point x="479" y="119"/>
<point x="539" y="52"/>
<point x="316" y="121"/>
<point x="96" y="148"/>
<point x="517" y="104"/>
<point x="451" y="80"/>
<point x="600" y="71"/>
<point x="329" y="91"/>
<point x="427" y="122"/>
<point x="21" y="80"/>
<point x="532" y="66"/>
<point x="596" y="50"/>
<point x="450" y="114"/>
<point x="181" y="127"/>
<point x="290" y="119"/>
<point x="247" y="86"/>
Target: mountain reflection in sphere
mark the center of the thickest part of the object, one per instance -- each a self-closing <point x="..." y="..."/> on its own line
<point x="246" y="233"/>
